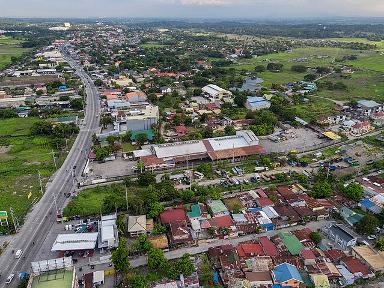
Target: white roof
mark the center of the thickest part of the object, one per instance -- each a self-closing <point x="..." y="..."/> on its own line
<point x="137" y="223"/>
<point x="230" y="142"/>
<point x="107" y="233"/>
<point x="270" y="212"/>
<point x="213" y="90"/>
<point x="77" y="241"/>
<point x="98" y="277"/>
<point x="141" y="153"/>
<point x="179" y="149"/>
<point x="195" y="224"/>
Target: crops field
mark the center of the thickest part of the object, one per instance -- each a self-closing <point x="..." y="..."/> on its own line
<point x="9" y="48"/>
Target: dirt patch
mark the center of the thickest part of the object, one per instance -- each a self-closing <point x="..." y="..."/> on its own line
<point x="5" y="149"/>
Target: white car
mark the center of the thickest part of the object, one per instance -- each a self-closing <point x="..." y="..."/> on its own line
<point x="10" y="278"/>
<point x="371" y="237"/>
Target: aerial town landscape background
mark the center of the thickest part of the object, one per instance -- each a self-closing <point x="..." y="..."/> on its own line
<point x="191" y="152"/>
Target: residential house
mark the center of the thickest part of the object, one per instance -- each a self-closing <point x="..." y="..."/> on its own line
<point x="259" y="279"/>
<point x="378" y="118"/>
<point x="320" y="281"/>
<point x="137" y="225"/>
<point x="340" y="235"/>
<point x="217" y="208"/>
<point x="361" y="128"/>
<point x="356" y="267"/>
<point x="287" y="275"/>
<point x="368" y="107"/>
<point x="374" y="259"/>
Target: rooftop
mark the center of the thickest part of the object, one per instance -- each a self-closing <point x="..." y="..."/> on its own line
<point x="293" y="244"/>
<point x="76" y="241"/>
<point x="61" y="279"/>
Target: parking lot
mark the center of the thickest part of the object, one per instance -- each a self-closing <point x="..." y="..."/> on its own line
<point x="299" y="139"/>
<point x="116" y="168"/>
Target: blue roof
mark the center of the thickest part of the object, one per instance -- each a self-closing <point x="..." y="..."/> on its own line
<point x="367" y="203"/>
<point x="285" y="272"/>
<point x="253" y="99"/>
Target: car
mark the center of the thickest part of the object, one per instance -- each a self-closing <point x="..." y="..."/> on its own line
<point x="18" y="253"/>
<point x="10" y="278"/>
<point x="371" y="237"/>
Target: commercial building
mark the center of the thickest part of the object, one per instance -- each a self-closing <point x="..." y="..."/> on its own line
<point x="108" y="233"/>
<point x="137" y="118"/>
<point x="216" y="93"/>
<point x="75" y="242"/>
<point x="237" y="147"/>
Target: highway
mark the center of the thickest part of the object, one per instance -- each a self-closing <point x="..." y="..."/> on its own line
<point x="40" y="220"/>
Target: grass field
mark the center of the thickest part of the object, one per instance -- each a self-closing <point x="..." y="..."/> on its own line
<point x="9" y="48"/>
<point x="21" y="157"/>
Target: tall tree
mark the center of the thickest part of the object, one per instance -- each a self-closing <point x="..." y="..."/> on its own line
<point x="120" y="257"/>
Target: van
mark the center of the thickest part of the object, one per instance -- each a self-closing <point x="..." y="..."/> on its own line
<point x="18" y="253"/>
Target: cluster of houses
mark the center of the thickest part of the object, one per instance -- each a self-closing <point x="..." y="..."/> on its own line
<point x="356" y="121"/>
<point x="246" y="213"/>
<point x="292" y="259"/>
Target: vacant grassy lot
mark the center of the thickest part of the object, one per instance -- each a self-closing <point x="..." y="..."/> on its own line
<point x="152" y="45"/>
<point x="21" y="157"/>
<point x="9" y="48"/>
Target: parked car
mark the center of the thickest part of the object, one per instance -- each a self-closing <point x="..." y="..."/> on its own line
<point x="10" y="278"/>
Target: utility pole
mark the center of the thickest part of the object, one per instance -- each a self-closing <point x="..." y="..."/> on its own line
<point x="54" y="159"/>
<point x="126" y="196"/>
<point x="41" y="184"/>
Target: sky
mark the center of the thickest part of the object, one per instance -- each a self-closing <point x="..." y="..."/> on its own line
<point x="192" y="8"/>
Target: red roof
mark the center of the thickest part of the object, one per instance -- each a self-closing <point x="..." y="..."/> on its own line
<point x="354" y="265"/>
<point x="334" y="254"/>
<point x="307" y="254"/>
<point x="151" y="160"/>
<point x="268" y="246"/>
<point x="181" y="130"/>
<point x="237" y="152"/>
<point x="222" y="221"/>
<point x="173" y="215"/>
<point x="263" y="202"/>
<point x="250" y="249"/>
<point x="261" y="193"/>
<point x="303" y="234"/>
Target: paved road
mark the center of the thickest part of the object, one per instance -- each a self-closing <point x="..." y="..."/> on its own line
<point x="203" y="247"/>
<point x="40" y="220"/>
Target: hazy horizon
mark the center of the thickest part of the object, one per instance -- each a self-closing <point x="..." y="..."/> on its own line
<point x="204" y="9"/>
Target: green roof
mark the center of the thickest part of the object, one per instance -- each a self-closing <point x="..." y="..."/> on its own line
<point x="3" y="214"/>
<point x="355" y="218"/>
<point x="195" y="211"/>
<point x="217" y="206"/>
<point x="293" y="244"/>
<point x="56" y="280"/>
<point x="149" y="134"/>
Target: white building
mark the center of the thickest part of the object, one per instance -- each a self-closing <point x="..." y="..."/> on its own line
<point x="215" y="93"/>
<point x="108" y="234"/>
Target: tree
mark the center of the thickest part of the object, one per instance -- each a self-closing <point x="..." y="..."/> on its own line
<point x="120" y="257"/>
<point x="259" y="68"/>
<point x="77" y="104"/>
<point x="310" y="77"/>
<point x="206" y="272"/>
<point x="380" y="243"/>
<point x="106" y="120"/>
<point x="101" y="153"/>
<point x="367" y="225"/>
<point x="315" y="237"/>
<point x="354" y="191"/>
<point x="146" y="179"/>
<point x="111" y="139"/>
<point x="137" y="281"/>
<point x="205" y="168"/>
<point x="142" y="244"/>
<point x="7" y="113"/>
<point x="44" y="128"/>
<point x="141" y="139"/>
<point x="185" y="265"/>
<point x="159" y="229"/>
<point x="155" y="209"/>
<point x="98" y="82"/>
<point x="274" y="67"/>
<point x="321" y="189"/>
<point x="240" y="100"/>
<point x="157" y="260"/>
<point x="126" y="137"/>
<point x="229" y="130"/>
<point x="299" y="68"/>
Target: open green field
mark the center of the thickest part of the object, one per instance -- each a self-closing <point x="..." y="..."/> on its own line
<point x="9" y="48"/>
<point x="21" y="157"/>
<point x="310" y="56"/>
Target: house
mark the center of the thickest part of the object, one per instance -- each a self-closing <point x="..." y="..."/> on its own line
<point x="137" y="225"/>
<point x="257" y="279"/>
<point x="286" y="275"/>
<point x="198" y="212"/>
<point x="215" y="93"/>
<point x="254" y="103"/>
<point x="367" y="107"/>
<point x="180" y="233"/>
<point x="340" y="235"/>
<point x="269" y="247"/>
<point x="290" y="241"/>
<point x="378" y="118"/>
<point x="350" y="216"/>
<point x="135" y="96"/>
<point x="347" y="278"/>
<point x="356" y="267"/>
<point x="249" y="250"/>
<point x="308" y="257"/>
<point x="173" y="215"/>
<point x="181" y="130"/>
<point x="320" y="281"/>
<point x="374" y="259"/>
<point x="252" y="85"/>
<point x="165" y="90"/>
<point x="361" y="128"/>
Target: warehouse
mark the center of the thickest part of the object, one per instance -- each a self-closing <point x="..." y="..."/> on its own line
<point x="236" y="147"/>
<point x="75" y="242"/>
